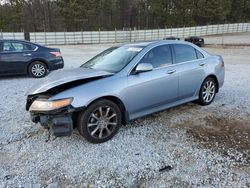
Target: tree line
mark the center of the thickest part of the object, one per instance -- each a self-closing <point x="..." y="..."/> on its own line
<point x="85" y="15"/>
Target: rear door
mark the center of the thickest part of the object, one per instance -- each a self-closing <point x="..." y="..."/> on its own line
<point x="190" y="64"/>
<point x="15" y="56"/>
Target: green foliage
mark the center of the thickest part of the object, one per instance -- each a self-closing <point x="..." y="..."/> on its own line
<point x="240" y="11"/>
<point x="75" y="15"/>
<point x="212" y="11"/>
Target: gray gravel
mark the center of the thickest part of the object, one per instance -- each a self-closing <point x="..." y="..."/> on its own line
<point x="200" y="146"/>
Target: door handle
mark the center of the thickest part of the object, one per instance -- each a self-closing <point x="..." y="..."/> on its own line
<point x="26" y="54"/>
<point x="202" y="63"/>
<point x="171" y="71"/>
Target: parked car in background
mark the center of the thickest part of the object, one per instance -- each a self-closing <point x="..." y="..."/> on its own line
<point x="171" y="38"/>
<point x="23" y="57"/>
<point x="196" y="40"/>
<point x="123" y="83"/>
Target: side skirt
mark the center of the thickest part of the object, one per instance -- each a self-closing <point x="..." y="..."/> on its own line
<point x="161" y="108"/>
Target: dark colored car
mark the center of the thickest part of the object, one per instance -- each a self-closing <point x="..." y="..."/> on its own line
<point x="196" y="40"/>
<point x="172" y="38"/>
<point x="23" y="57"/>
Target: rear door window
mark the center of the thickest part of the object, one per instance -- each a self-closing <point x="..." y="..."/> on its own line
<point x="199" y="54"/>
<point x="19" y="47"/>
<point x="30" y="47"/>
<point x="184" y="53"/>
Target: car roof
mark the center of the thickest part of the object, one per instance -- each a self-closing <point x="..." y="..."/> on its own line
<point x="172" y="37"/>
<point x="195" y="37"/>
<point x="18" y="40"/>
<point x="145" y="44"/>
<point x="14" y="40"/>
<point x="134" y="44"/>
<point x="152" y="44"/>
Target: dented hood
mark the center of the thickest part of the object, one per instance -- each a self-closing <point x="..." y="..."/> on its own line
<point x="60" y="77"/>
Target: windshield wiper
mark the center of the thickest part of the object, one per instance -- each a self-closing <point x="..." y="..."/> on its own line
<point x="86" y="67"/>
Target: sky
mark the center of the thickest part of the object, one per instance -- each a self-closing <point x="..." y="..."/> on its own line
<point x="3" y="1"/>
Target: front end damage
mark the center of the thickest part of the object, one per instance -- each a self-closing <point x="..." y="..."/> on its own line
<point x="52" y="114"/>
<point x="60" y="121"/>
<point x="60" y="125"/>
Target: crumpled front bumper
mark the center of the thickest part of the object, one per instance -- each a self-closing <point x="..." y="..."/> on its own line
<point x="59" y="121"/>
<point x="60" y="124"/>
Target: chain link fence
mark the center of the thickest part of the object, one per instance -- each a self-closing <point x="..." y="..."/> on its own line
<point x="131" y="35"/>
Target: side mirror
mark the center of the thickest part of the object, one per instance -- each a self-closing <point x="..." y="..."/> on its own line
<point x="143" y="67"/>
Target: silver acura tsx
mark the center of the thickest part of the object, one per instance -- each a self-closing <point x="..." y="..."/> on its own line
<point x="123" y="83"/>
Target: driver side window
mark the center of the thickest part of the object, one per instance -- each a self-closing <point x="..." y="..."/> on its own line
<point x="159" y="56"/>
<point x="7" y="47"/>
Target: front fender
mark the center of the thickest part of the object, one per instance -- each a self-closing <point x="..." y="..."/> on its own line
<point x="87" y="93"/>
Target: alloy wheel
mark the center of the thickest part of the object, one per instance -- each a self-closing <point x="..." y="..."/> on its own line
<point x="208" y="91"/>
<point x="38" y="70"/>
<point x="102" y="122"/>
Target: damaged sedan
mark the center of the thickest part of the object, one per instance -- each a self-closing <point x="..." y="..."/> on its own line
<point x="124" y="83"/>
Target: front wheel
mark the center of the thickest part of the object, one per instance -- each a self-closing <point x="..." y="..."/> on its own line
<point x="100" y="121"/>
<point x="207" y="91"/>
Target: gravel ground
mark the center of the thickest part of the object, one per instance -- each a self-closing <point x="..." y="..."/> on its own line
<point x="186" y="146"/>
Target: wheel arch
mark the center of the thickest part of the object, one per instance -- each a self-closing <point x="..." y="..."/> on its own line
<point x="216" y="80"/>
<point x="34" y="60"/>
<point x="119" y="103"/>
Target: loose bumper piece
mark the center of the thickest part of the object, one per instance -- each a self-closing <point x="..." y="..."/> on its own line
<point x="61" y="125"/>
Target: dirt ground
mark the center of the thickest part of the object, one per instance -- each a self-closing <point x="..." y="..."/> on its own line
<point x="221" y="134"/>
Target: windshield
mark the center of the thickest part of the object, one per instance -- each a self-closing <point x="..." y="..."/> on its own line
<point x="113" y="59"/>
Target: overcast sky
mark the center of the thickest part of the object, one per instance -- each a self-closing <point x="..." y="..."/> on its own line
<point x="3" y="1"/>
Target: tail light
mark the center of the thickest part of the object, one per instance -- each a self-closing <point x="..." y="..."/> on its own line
<point x="222" y="64"/>
<point x="57" y="54"/>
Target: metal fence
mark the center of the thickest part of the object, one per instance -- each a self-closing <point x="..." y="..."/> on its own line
<point x="117" y="36"/>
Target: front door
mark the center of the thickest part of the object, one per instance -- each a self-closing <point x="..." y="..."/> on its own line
<point x="156" y="88"/>
<point x="14" y="57"/>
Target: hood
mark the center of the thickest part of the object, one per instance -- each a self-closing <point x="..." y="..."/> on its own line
<point x="61" y="77"/>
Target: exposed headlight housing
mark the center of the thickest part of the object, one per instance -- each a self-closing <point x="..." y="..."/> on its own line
<point x="43" y="105"/>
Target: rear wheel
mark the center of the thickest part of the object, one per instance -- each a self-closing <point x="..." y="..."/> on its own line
<point x="207" y="91"/>
<point x="37" y="69"/>
<point x="100" y="121"/>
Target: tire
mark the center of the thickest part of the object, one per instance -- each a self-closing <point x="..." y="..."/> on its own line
<point x="37" y="69"/>
<point x="207" y="91"/>
<point x="100" y="121"/>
